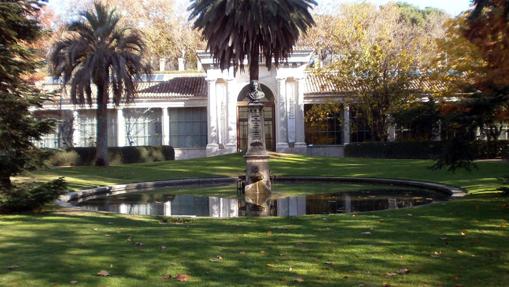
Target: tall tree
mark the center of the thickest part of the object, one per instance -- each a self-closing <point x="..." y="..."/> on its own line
<point x="18" y="128"/>
<point x="377" y="57"/>
<point x="476" y="64"/>
<point x="166" y="33"/>
<point x="97" y="50"/>
<point x="240" y="29"/>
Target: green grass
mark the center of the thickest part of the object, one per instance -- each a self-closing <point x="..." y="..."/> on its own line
<point x="485" y="179"/>
<point x="458" y="243"/>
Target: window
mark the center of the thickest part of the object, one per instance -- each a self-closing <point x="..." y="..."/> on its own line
<point x="360" y="130"/>
<point x="323" y="124"/>
<point x="87" y="128"/>
<point x="143" y="127"/>
<point x="188" y="127"/>
<point x="51" y="140"/>
<point x="87" y="131"/>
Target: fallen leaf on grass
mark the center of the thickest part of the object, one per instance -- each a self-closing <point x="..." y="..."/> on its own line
<point x="403" y="271"/>
<point x="163" y="247"/>
<point x="216" y="259"/>
<point x="182" y="277"/>
<point x="299" y="280"/>
<point x="391" y="274"/>
<point x="166" y="277"/>
<point x="103" y="273"/>
<point x="73" y="282"/>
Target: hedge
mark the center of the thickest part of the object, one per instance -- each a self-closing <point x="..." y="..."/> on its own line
<point x="117" y="155"/>
<point x="422" y="149"/>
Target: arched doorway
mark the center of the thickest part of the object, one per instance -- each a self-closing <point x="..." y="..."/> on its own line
<point x="268" y="116"/>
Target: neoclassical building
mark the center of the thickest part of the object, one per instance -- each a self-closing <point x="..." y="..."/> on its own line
<point x="205" y="114"/>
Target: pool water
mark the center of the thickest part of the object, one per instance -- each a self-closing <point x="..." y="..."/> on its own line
<point x="328" y="200"/>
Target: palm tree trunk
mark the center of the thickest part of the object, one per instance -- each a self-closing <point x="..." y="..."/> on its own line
<point x="254" y="65"/>
<point x="101" y="156"/>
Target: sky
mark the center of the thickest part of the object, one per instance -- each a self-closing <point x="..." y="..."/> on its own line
<point x="453" y="7"/>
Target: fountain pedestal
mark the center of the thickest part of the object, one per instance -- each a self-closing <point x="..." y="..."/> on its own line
<point x="257" y="158"/>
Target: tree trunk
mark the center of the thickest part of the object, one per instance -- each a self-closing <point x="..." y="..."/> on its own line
<point x="254" y="65"/>
<point x="101" y="156"/>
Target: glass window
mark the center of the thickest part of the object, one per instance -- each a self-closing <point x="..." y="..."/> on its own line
<point x="87" y="128"/>
<point x="188" y="127"/>
<point x="323" y="124"/>
<point x="359" y="129"/>
<point x="143" y="127"/>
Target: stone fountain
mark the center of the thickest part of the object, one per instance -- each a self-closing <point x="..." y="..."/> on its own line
<point x="257" y="158"/>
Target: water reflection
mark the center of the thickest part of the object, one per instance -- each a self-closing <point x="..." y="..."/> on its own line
<point x="157" y="204"/>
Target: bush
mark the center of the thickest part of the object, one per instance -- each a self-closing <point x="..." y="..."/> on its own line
<point x="23" y="199"/>
<point x="422" y="149"/>
<point x="117" y="155"/>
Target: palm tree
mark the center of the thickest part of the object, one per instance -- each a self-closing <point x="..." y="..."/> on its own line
<point x="240" y="29"/>
<point x="236" y="29"/>
<point x="96" y="50"/>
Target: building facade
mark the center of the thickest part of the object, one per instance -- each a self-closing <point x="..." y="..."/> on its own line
<point x="205" y="114"/>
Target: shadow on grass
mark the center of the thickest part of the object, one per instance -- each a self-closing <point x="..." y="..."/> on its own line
<point x="458" y="243"/>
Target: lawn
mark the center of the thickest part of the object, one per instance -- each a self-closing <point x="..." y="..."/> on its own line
<point x="458" y="243"/>
<point x="486" y="178"/>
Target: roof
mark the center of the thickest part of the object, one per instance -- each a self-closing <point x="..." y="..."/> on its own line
<point x="178" y="87"/>
<point x="320" y="85"/>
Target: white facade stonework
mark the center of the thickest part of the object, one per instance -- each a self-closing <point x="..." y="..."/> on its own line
<point x="201" y="114"/>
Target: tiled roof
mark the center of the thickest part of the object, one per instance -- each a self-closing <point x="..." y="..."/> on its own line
<point x="320" y="85"/>
<point x="178" y="87"/>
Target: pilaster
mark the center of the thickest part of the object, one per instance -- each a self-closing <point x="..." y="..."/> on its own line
<point x="165" y="126"/>
<point x="76" y="128"/>
<point x="346" y="124"/>
<point x="281" y="117"/>
<point x="300" y="137"/>
<point x="231" y="142"/>
<point x="121" y="130"/>
<point x="213" y="144"/>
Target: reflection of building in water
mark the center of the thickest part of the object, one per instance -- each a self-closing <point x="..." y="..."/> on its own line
<point x="223" y="207"/>
<point x="181" y="205"/>
<point x="393" y="203"/>
<point x="291" y="206"/>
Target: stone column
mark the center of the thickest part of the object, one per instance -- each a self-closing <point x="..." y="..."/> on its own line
<point x="231" y="143"/>
<point x="391" y="130"/>
<point x="221" y="112"/>
<point x="76" y="135"/>
<point x="346" y="124"/>
<point x="121" y="131"/>
<point x="281" y="117"/>
<point x="300" y="136"/>
<point x="165" y="126"/>
<point x="290" y="111"/>
<point x="213" y="144"/>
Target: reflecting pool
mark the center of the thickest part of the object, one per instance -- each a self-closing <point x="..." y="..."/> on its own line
<point x="330" y="199"/>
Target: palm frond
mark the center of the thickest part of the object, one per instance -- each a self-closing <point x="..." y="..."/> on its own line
<point x="240" y="29"/>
